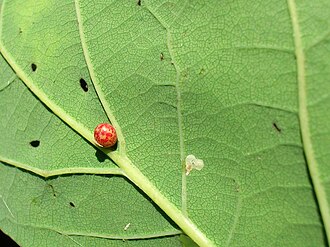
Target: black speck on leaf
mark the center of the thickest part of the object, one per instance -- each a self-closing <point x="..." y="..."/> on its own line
<point x="278" y="129"/>
<point x="33" y="67"/>
<point x="83" y="85"/>
<point x="35" y="143"/>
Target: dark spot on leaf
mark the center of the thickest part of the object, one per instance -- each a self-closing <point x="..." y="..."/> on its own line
<point x="161" y="56"/>
<point x="278" y="129"/>
<point x="52" y="189"/>
<point x="72" y="204"/>
<point x="33" y="67"/>
<point x="83" y="85"/>
<point x="35" y="143"/>
<point x="139" y="2"/>
<point x="202" y="71"/>
<point x="20" y="30"/>
<point x="236" y="186"/>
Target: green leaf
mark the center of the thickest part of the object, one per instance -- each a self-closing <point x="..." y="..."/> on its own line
<point x="240" y="85"/>
<point x="77" y="209"/>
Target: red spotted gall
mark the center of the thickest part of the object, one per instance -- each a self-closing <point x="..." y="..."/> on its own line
<point x="105" y="135"/>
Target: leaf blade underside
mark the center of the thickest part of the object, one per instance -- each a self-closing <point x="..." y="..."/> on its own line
<point x="180" y="78"/>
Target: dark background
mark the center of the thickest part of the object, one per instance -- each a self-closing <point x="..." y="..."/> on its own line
<point x="6" y="241"/>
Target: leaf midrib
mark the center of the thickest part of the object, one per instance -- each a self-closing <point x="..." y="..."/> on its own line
<point x="312" y="163"/>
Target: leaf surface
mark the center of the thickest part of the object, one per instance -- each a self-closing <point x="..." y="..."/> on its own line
<point x="243" y="86"/>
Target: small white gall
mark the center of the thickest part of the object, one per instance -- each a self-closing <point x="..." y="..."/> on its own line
<point x="127" y="226"/>
<point x="193" y="163"/>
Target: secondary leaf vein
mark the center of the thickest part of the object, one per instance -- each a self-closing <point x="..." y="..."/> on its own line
<point x="179" y="112"/>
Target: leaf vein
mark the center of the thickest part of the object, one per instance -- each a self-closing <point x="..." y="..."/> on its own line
<point x="312" y="163"/>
